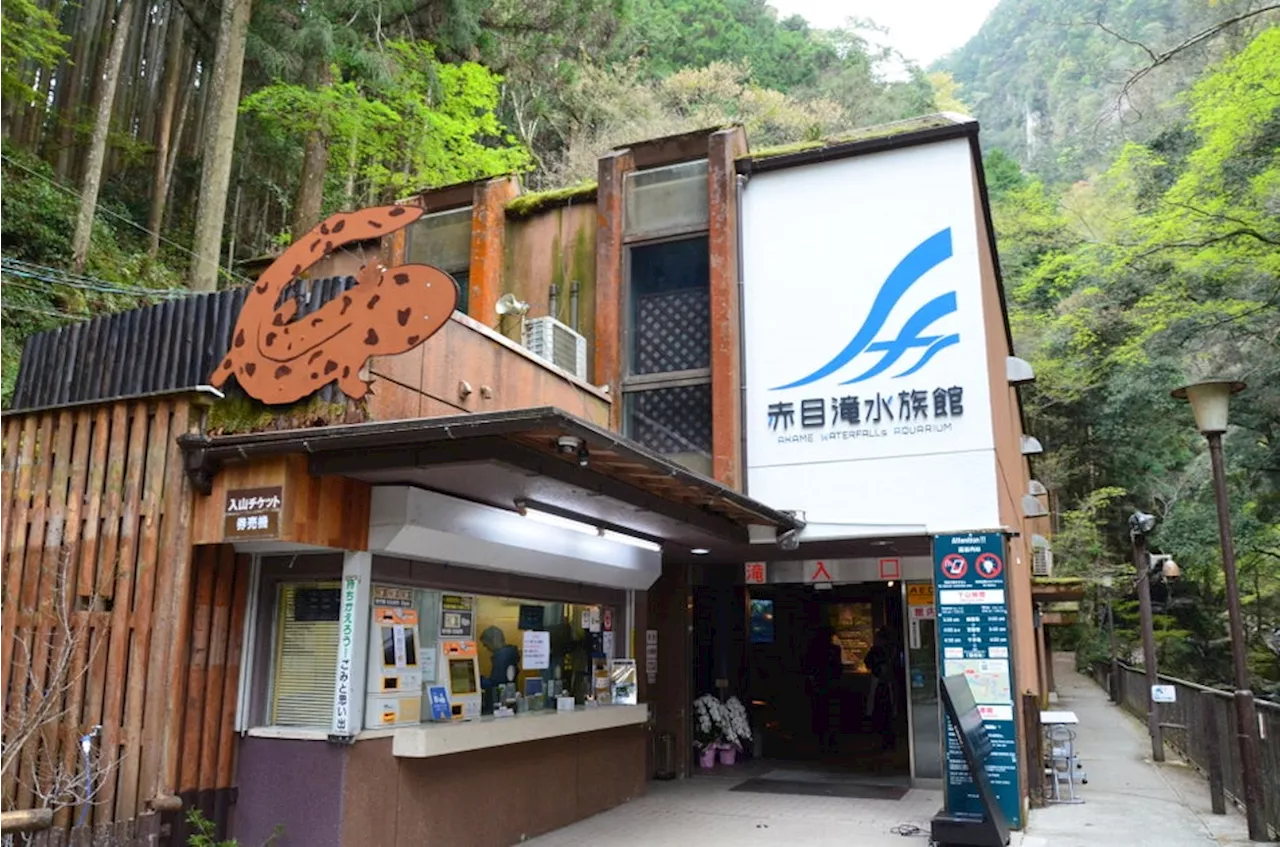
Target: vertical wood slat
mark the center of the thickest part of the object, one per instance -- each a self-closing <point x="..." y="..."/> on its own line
<point x="93" y="508"/>
<point x="33" y="565"/>
<point x="198" y="670"/>
<point x="74" y="685"/>
<point x="8" y="475"/>
<point x="9" y="633"/>
<point x="141" y="760"/>
<point x="223" y="585"/>
<point x="118" y="800"/>
<point x="45" y="635"/>
<point x="150" y="703"/>
<point x="108" y="571"/>
<point x="176" y="538"/>
<point x="242" y="568"/>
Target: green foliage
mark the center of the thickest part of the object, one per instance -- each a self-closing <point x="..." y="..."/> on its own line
<point x="1048" y="81"/>
<point x="205" y="834"/>
<point x="38" y="219"/>
<point x="28" y="35"/>
<point x="426" y="124"/>
<point x="782" y="55"/>
<point x="1162" y="268"/>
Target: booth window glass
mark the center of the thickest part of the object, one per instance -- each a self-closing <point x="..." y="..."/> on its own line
<point x="501" y="624"/>
<point x="306" y="653"/>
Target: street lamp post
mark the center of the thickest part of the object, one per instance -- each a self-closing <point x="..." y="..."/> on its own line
<point x="1209" y="402"/>
<point x="1139" y="526"/>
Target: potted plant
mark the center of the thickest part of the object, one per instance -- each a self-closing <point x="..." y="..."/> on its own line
<point x="707" y="732"/>
<point x="735" y="728"/>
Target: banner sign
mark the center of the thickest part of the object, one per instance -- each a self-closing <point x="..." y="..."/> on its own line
<point x="973" y="640"/>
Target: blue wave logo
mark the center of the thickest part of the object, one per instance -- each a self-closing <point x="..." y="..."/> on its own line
<point x="926" y="256"/>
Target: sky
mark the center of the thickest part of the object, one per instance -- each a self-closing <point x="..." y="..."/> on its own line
<point x="922" y="30"/>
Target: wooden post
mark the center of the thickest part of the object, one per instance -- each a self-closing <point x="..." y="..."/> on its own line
<point x="1213" y="752"/>
<point x="26" y="820"/>
<point x="1035" y="751"/>
<point x="607" y="367"/>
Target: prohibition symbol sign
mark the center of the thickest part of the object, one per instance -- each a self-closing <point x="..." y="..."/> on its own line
<point x="988" y="566"/>
<point x="954" y="566"/>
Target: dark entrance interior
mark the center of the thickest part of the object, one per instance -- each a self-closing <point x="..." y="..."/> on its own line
<point x="796" y="656"/>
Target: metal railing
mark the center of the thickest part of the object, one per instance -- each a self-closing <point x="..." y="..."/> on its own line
<point x="1191" y="723"/>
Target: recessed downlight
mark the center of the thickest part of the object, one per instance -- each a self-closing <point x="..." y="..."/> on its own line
<point x="700" y="551"/>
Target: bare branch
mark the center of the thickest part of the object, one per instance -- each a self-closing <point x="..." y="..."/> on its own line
<point x="1158" y="59"/>
<point x="1243" y="232"/>
<point x="1111" y="32"/>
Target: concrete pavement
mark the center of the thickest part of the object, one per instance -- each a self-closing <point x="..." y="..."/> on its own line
<point x="1129" y="802"/>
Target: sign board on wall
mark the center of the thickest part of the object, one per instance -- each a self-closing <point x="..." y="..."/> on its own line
<point x="252" y="513"/>
<point x="973" y="640"/>
<point x="866" y="356"/>
<point x="457" y="616"/>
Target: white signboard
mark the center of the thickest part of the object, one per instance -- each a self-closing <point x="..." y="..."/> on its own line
<point x="868" y="394"/>
<point x="536" y="655"/>
<point x="1164" y="694"/>
<point x="817" y="572"/>
<point x="343" y="683"/>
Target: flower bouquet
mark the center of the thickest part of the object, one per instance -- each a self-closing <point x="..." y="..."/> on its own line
<point x="719" y="727"/>
<point x="707" y="719"/>
<point x="736" y="729"/>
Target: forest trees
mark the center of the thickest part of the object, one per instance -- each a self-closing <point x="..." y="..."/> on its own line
<point x="1163" y="269"/>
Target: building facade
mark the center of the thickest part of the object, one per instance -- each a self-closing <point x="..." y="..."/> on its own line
<point x="713" y="408"/>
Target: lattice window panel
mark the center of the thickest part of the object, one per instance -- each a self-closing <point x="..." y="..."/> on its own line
<point x="671" y="420"/>
<point x="672" y="332"/>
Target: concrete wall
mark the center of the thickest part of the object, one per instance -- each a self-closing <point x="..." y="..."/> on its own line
<point x="428" y="381"/>
<point x="294" y="784"/>
<point x="556" y="247"/>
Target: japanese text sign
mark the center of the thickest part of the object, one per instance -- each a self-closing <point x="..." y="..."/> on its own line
<point x="974" y="641"/>
<point x="252" y="513"/>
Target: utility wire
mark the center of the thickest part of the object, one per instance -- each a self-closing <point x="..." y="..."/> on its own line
<point x="19" y="307"/>
<point x="26" y="270"/>
<point x="99" y="207"/>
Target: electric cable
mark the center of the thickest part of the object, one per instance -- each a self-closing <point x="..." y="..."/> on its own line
<point x="98" y="207"/>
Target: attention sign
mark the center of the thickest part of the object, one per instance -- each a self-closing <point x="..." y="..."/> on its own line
<point x="973" y="641"/>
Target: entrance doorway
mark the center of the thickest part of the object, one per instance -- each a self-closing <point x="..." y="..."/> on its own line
<point x="807" y="676"/>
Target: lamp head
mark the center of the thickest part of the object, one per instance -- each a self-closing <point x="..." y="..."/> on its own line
<point x="1209" y="402"/>
<point x="1140" y="523"/>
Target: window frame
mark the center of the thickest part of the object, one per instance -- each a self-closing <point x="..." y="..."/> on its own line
<point x="631" y="383"/>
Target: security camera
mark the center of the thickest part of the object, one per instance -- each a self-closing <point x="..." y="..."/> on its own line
<point x="789" y="540"/>
<point x="571" y="445"/>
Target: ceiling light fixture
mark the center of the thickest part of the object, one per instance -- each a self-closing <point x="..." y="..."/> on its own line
<point x="699" y="551"/>
<point x="633" y="540"/>
<point x="550" y="519"/>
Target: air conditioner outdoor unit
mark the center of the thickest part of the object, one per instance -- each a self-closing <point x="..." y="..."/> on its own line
<point x="560" y="345"/>
<point x="1042" y="562"/>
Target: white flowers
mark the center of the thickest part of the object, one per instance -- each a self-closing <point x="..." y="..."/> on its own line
<point x="722" y="724"/>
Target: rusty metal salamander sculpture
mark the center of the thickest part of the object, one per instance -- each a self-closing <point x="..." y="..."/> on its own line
<point x="277" y="359"/>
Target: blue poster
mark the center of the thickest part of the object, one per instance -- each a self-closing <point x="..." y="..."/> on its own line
<point x="440" y="710"/>
<point x="973" y="639"/>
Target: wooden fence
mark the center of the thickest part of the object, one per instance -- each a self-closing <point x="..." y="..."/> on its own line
<point x="109" y="619"/>
<point x="144" y="831"/>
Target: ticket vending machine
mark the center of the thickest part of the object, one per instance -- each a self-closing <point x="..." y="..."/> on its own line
<point x="394" y="695"/>
<point x="460" y="673"/>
